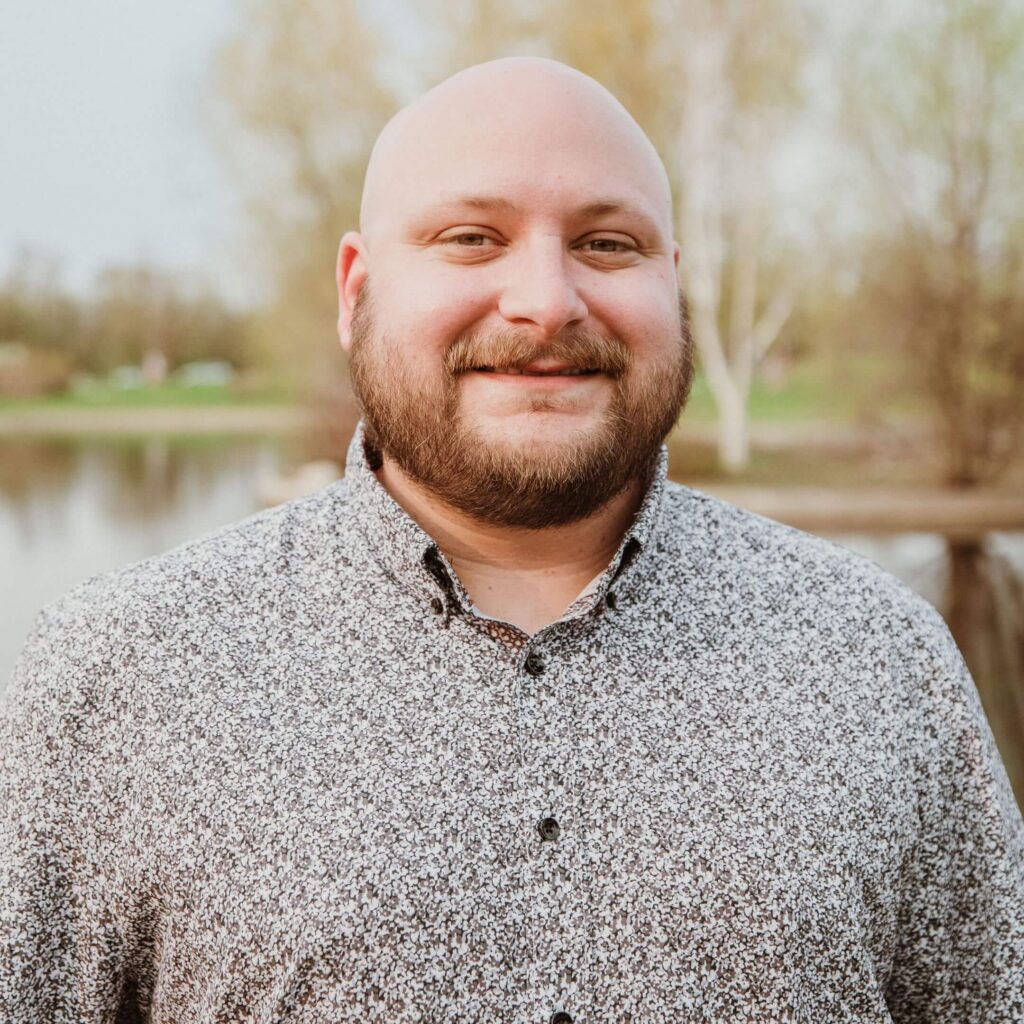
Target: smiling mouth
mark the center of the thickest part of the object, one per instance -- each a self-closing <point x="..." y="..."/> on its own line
<point x="536" y="373"/>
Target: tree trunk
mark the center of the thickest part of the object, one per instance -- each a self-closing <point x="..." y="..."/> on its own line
<point x="733" y="430"/>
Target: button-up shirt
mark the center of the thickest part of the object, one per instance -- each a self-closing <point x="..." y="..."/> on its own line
<point x="285" y="773"/>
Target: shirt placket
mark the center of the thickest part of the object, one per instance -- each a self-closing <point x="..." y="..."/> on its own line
<point x="551" y="838"/>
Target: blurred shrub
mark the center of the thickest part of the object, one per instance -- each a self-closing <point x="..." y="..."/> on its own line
<point x="26" y="372"/>
<point x="136" y="315"/>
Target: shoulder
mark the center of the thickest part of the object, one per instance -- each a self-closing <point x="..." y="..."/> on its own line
<point x="182" y="599"/>
<point x="761" y="560"/>
<point x="738" y="578"/>
<point x="251" y="552"/>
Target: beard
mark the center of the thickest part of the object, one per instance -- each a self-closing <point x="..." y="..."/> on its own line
<point x="419" y="423"/>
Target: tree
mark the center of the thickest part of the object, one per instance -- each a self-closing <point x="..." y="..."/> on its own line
<point x="158" y="319"/>
<point x="35" y="307"/>
<point x="302" y="92"/>
<point x="935" y="118"/>
<point x="738" y="75"/>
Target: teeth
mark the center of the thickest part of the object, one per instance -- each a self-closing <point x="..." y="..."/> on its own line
<point x="555" y="373"/>
<point x="538" y="373"/>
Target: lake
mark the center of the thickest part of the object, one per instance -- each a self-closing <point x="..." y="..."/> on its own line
<point x="69" y="510"/>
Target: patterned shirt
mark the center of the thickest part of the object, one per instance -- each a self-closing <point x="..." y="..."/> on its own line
<point x="283" y="773"/>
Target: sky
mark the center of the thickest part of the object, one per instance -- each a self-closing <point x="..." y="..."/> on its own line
<point x="105" y="153"/>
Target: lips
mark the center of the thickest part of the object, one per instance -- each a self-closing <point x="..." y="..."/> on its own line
<point x="528" y="372"/>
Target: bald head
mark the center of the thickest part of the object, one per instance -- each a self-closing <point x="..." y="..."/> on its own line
<point x="497" y="108"/>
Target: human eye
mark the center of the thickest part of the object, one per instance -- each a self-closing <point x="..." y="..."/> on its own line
<point x="468" y="240"/>
<point x="607" y="246"/>
<point x="464" y="245"/>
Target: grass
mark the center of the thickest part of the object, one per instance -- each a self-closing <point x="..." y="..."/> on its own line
<point x="819" y="389"/>
<point x="169" y="395"/>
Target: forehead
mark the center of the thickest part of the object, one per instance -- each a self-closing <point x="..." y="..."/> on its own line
<point x="538" y="151"/>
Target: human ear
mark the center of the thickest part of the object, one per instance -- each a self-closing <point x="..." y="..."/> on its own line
<point x="353" y="266"/>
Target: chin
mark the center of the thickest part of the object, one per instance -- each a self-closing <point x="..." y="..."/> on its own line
<point x="536" y="429"/>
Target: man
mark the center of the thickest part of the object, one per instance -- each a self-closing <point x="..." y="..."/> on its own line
<point x="504" y="726"/>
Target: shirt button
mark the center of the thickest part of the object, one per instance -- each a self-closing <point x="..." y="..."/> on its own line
<point x="534" y="664"/>
<point x="611" y="600"/>
<point x="548" y="829"/>
<point x="436" y="605"/>
<point x="561" y="1017"/>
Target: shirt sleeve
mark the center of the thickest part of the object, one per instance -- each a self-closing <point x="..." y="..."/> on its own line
<point x="960" y="940"/>
<point x="59" y="947"/>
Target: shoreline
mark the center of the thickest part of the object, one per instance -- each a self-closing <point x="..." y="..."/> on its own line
<point x="149" y="420"/>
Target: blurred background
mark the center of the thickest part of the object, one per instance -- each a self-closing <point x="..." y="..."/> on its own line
<point x="849" y="202"/>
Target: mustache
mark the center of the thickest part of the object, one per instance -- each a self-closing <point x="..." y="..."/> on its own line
<point x="512" y="349"/>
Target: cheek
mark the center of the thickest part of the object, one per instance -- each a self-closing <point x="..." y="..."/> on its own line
<point x="422" y="340"/>
<point x="434" y="305"/>
<point x="643" y="314"/>
<point x="652" y="342"/>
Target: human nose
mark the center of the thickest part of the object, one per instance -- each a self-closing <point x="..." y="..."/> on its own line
<point x="541" y="289"/>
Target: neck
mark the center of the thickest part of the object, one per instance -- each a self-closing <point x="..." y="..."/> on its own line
<point x="527" y="577"/>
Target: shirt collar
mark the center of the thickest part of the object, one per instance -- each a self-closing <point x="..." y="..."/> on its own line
<point x="414" y="560"/>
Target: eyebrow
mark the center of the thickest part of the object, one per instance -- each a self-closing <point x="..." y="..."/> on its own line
<point x="596" y="208"/>
<point x="496" y="203"/>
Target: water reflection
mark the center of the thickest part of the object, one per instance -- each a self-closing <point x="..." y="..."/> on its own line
<point x="68" y="511"/>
